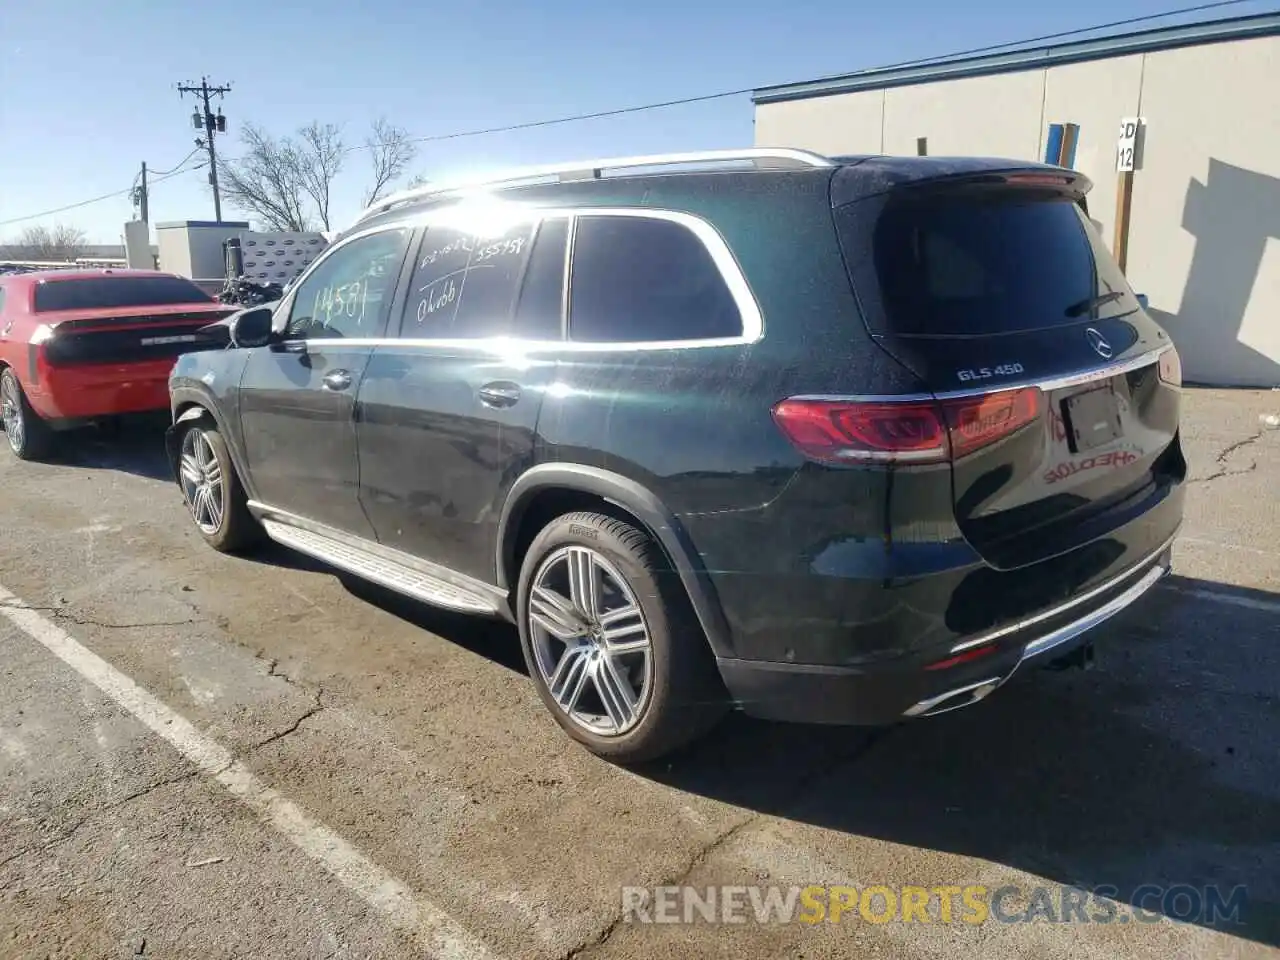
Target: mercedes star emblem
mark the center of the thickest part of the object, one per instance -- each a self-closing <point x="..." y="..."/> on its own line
<point x="1099" y="343"/>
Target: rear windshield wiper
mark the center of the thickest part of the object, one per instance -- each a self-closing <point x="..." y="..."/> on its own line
<point x="1084" y="306"/>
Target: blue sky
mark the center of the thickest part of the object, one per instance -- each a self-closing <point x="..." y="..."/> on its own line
<point x="87" y="90"/>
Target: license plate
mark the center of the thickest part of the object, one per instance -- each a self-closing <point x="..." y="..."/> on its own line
<point x="1093" y="418"/>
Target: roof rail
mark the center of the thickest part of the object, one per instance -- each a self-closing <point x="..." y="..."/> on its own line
<point x="594" y="169"/>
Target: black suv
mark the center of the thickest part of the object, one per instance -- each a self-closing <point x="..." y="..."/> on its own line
<point x="842" y="440"/>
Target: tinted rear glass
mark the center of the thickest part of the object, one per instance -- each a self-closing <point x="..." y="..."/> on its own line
<point x="106" y="292"/>
<point x="985" y="264"/>
<point x="637" y="279"/>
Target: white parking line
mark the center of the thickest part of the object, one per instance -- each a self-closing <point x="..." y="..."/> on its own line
<point x="1270" y="606"/>
<point x="429" y="926"/>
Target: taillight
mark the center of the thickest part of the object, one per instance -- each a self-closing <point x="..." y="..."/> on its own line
<point x="1171" y="367"/>
<point x="850" y="431"/>
<point x="975" y="422"/>
<point x="907" y="432"/>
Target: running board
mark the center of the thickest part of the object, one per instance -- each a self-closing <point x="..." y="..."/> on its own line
<point x="383" y="565"/>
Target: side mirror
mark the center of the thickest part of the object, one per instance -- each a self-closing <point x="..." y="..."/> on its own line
<point x="1143" y="300"/>
<point x="251" y="327"/>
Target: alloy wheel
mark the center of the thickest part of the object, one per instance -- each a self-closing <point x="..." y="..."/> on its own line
<point x="201" y="477"/>
<point x="590" y="641"/>
<point x="15" y="427"/>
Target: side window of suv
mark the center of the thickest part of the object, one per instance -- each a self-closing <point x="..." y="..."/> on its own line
<point x="539" y="311"/>
<point x="349" y="292"/>
<point x="638" y="279"/>
<point x="465" y="282"/>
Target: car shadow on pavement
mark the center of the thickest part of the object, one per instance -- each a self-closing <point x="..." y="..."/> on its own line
<point x="1159" y="767"/>
<point x="493" y="639"/>
<point x="134" y="446"/>
<point x="1155" y="770"/>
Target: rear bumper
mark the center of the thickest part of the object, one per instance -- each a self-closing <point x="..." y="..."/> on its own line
<point x="889" y="692"/>
<point x="83" y="393"/>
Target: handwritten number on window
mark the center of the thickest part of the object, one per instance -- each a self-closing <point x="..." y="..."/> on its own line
<point x="345" y="301"/>
<point x="443" y="296"/>
<point x="472" y="251"/>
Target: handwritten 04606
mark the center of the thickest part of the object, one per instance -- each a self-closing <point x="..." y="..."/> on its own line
<point x="438" y="297"/>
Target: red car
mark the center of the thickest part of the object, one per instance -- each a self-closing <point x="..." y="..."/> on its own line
<point x="78" y="346"/>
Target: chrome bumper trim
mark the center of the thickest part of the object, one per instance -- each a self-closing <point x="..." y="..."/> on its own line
<point x="1067" y="632"/>
<point x="1062" y="608"/>
<point x="1050" y="641"/>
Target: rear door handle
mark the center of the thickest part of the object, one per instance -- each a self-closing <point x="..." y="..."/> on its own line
<point x="337" y="380"/>
<point x="501" y="393"/>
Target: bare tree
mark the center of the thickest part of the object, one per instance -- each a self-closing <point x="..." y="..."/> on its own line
<point x="66" y="242"/>
<point x="268" y="180"/>
<point x="63" y="242"/>
<point x="287" y="182"/>
<point x="320" y="154"/>
<point x="391" y="151"/>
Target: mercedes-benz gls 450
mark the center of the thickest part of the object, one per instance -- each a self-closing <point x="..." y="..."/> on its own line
<point x="843" y="440"/>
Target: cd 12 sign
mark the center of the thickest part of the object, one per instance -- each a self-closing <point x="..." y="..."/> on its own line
<point x="1127" y="148"/>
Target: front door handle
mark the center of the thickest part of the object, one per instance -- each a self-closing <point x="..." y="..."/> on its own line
<point x="337" y="380"/>
<point x="502" y="393"/>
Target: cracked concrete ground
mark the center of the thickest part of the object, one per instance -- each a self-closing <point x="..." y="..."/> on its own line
<point x="415" y="736"/>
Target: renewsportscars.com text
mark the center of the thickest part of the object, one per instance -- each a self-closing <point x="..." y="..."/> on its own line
<point x="971" y="904"/>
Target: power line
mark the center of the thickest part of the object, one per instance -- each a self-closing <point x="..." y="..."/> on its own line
<point x="105" y="196"/>
<point x="574" y="118"/>
<point x="163" y="173"/>
<point x="702" y="98"/>
<point x="176" y="166"/>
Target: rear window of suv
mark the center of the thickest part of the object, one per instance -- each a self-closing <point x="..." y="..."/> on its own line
<point x="973" y="264"/>
<point x="101" y="293"/>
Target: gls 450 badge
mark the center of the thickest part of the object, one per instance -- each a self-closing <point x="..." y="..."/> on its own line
<point x="982" y="373"/>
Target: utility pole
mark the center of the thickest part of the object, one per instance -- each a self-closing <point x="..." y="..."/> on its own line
<point x="206" y="120"/>
<point x="142" y="193"/>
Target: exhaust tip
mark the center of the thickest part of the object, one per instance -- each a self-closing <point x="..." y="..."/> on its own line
<point x="954" y="699"/>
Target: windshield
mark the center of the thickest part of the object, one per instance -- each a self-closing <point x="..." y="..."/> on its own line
<point x="101" y="293"/>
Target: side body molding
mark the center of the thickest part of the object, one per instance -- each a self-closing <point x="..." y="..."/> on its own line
<point x="636" y="500"/>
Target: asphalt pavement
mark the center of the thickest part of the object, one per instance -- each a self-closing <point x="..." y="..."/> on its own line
<point x="217" y="757"/>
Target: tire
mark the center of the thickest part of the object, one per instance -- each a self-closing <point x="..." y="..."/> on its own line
<point x="675" y="692"/>
<point x="212" y="490"/>
<point x="30" y="438"/>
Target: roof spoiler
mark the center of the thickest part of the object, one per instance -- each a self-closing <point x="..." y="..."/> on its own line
<point x="874" y="176"/>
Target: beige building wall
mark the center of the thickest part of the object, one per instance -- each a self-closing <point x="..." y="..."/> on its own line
<point x="843" y="124"/>
<point x="996" y="116"/>
<point x="1204" y="240"/>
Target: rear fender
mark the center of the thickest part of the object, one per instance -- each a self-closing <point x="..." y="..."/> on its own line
<point x="641" y="503"/>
